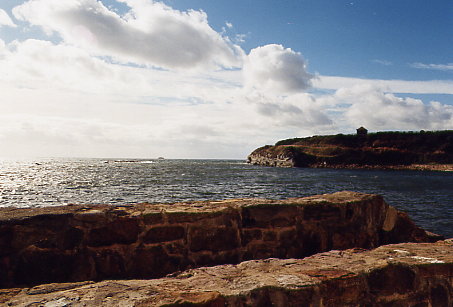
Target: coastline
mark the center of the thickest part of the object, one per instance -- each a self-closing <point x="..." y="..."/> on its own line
<point x="432" y="151"/>
<point x="412" y="167"/>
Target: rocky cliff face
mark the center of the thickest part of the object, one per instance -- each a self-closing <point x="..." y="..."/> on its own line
<point x="378" y="150"/>
<point x="406" y="274"/>
<point x="79" y="243"/>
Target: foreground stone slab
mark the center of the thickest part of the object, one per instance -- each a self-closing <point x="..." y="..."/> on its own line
<point x="409" y="274"/>
<point x="97" y="242"/>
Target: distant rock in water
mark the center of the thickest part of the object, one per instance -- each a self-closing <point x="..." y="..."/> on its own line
<point x="411" y="150"/>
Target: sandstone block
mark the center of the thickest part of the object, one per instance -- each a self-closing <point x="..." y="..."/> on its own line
<point x="152" y="218"/>
<point x="120" y="231"/>
<point x="164" y="234"/>
<point x="152" y="262"/>
<point x="265" y="215"/>
<point x="213" y="239"/>
<point x="248" y="235"/>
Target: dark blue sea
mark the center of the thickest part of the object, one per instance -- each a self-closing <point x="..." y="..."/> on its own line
<point x="426" y="195"/>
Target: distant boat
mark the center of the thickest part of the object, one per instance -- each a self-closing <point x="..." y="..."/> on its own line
<point x="161" y="158"/>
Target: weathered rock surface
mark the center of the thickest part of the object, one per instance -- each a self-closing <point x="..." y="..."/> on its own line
<point x="78" y="243"/>
<point x="432" y="150"/>
<point x="408" y="274"/>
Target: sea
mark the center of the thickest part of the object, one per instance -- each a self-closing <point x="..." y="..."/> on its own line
<point x="427" y="196"/>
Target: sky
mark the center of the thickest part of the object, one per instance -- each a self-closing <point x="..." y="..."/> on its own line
<point x="210" y="79"/>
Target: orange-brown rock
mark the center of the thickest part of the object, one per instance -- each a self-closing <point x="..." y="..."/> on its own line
<point x="408" y="274"/>
<point x="96" y="242"/>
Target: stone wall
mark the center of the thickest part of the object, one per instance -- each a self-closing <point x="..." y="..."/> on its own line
<point x="97" y="242"/>
<point x="408" y="274"/>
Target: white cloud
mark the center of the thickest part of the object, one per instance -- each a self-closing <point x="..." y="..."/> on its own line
<point x="395" y="86"/>
<point x="5" y="20"/>
<point x="56" y="122"/>
<point x="444" y="67"/>
<point x="151" y="33"/>
<point x="301" y="111"/>
<point x="43" y="65"/>
<point x="71" y="99"/>
<point x="272" y="68"/>
<point x="382" y="62"/>
<point x="2" y="48"/>
<point x="373" y="108"/>
<point x="240" y="38"/>
<point x="58" y="100"/>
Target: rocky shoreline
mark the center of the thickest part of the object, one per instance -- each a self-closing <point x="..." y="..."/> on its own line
<point x="411" y="167"/>
<point x="282" y="161"/>
<point x="431" y="151"/>
<point x="288" y="161"/>
<point x="81" y="255"/>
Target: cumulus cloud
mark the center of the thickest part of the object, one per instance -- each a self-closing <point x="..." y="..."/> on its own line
<point x="272" y="68"/>
<point x="299" y="112"/>
<point x="2" y="48"/>
<point x="5" y="20"/>
<point x="43" y="65"/>
<point x="150" y="33"/>
<point x="76" y="96"/>
<point x="58" y="100"/>
<point x="378" y="110"/>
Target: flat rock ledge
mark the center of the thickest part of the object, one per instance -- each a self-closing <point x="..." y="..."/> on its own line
<point x="99" y="242"/>
<point x="408" y="274"/>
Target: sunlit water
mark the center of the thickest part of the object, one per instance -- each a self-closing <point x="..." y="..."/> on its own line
<point x="426" y="196"/>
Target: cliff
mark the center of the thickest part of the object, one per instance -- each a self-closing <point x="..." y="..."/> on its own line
<point x="405" y="274"/>
<point x="416" y="150"/>
<point x="97" y="242"/>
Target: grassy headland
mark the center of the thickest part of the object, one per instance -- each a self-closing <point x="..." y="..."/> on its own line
<point x="417" y="150"/>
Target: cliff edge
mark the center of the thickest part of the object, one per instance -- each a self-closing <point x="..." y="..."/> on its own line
<point x="402" y="150"/>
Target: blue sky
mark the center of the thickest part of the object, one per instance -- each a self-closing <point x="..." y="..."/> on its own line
<point x="215" y="79"/>
<point x="365" y="38"/>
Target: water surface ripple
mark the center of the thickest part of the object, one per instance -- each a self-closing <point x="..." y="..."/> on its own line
<point x="426" y="196"/>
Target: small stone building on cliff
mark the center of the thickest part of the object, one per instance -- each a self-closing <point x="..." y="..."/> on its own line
<point x="362" y="131"/>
